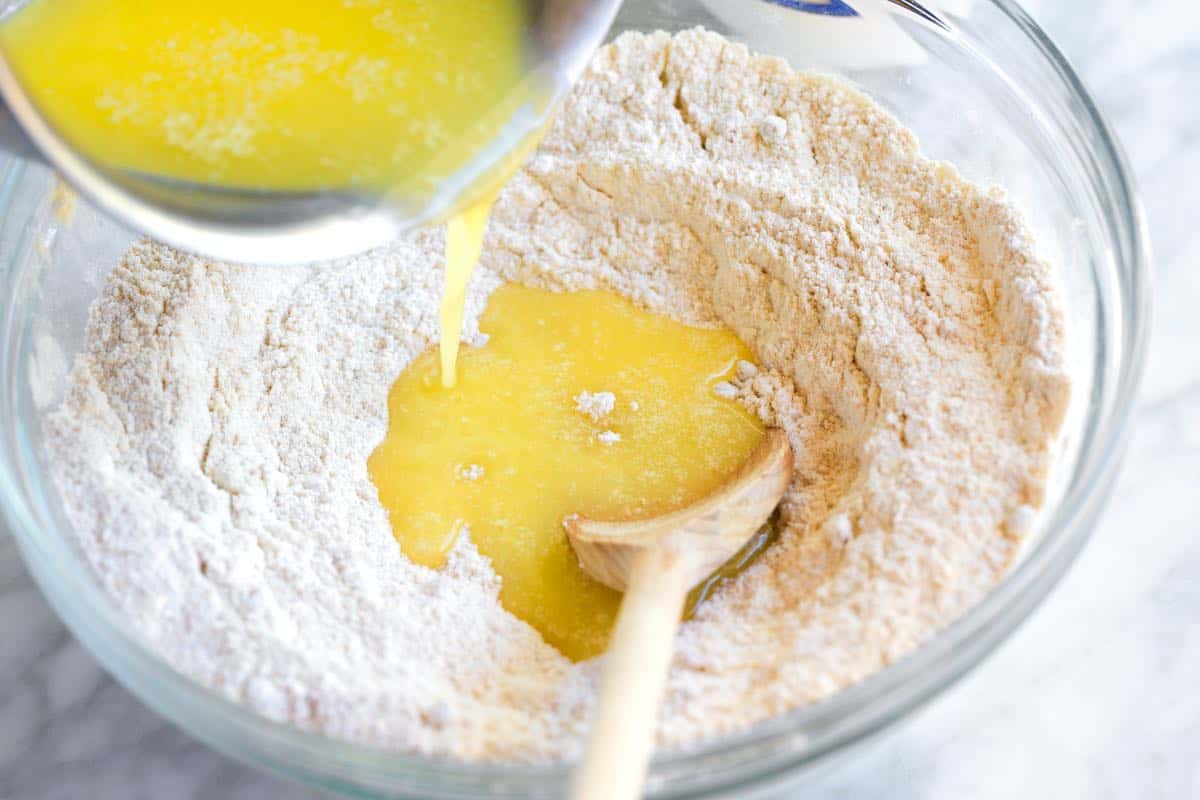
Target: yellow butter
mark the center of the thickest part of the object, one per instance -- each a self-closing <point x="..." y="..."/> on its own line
<point x="507" y="453"/>
<point x="275" y="94"/>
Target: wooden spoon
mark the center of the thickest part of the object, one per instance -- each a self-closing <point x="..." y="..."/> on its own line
<point x="655" y="562"/>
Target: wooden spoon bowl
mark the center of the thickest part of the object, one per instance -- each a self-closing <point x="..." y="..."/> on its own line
<point x="655" y="562"/>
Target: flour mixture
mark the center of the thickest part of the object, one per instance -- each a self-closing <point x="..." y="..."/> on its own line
<point x="212" y="448"/>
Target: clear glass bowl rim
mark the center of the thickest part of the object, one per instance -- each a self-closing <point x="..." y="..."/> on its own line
<point x="761" y="756"/>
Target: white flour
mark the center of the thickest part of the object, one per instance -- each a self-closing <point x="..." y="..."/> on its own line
<point x="212" y="447"/>
<point x="595" y="405"/>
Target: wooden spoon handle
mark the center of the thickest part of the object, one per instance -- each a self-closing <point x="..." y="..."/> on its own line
<point x="635" y="672"/>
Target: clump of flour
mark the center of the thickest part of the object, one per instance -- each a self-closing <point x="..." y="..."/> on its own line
<point x="596" y="405"/>
<point x="212" y="445"/>
<point x="470" y="472"/>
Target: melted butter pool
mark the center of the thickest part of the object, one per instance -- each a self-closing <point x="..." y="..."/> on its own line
<point x="506" y="453"/>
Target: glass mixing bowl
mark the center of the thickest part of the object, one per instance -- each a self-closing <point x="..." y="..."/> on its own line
<point x="991" y="94"/>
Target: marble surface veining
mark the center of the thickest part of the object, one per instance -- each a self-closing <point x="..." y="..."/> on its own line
<point x="1096" y="696"/>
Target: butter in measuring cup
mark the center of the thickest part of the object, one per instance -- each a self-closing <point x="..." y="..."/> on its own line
<point x="272" y="95"/>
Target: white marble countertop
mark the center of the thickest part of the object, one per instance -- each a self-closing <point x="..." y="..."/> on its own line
<point x="1097" y="696"/>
